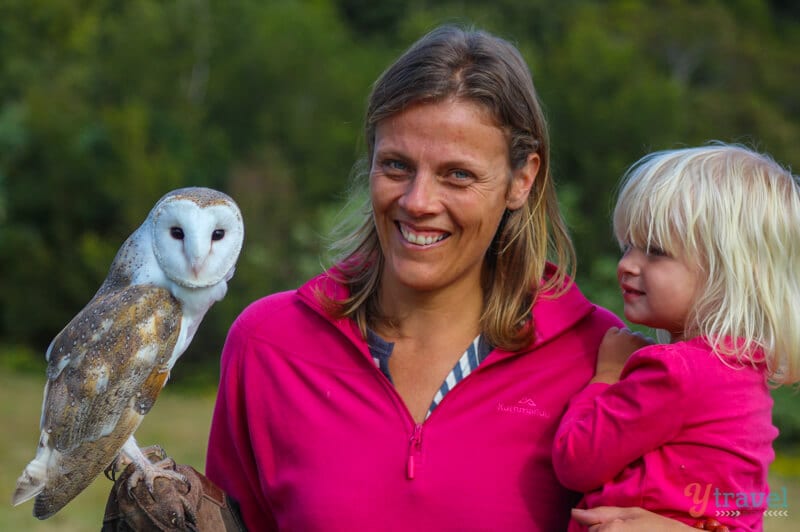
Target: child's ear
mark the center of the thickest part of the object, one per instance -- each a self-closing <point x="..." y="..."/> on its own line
<point x="522" y="181"/>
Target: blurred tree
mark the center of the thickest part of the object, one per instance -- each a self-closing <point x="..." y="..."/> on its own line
<point x="629" y="77"/>
<point x="374" y="19"/>
<point x="100" y="138"/>
<point x="107" y="105"/>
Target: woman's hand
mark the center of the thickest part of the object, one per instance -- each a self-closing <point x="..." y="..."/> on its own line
<point x="615" y="349"/>
<point x="616" y="519"/>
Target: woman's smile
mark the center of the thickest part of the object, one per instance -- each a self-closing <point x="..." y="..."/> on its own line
<point x="421" y="238"/>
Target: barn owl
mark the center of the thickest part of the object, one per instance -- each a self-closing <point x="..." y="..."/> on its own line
<point x="106" y="368"/>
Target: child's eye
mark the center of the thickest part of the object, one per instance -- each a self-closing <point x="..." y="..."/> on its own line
<point x="626" y="248"/>
<point x="656" y="252"/>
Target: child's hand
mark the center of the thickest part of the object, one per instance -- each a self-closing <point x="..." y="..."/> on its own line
<point x="615" y="349"/>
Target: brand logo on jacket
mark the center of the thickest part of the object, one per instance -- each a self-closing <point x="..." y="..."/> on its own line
<point x="525" y="407"/>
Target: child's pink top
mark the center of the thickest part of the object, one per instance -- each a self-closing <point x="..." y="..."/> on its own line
<point x="681" y="434"/>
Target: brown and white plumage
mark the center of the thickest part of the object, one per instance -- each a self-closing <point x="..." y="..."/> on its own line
<point x="108" y="365"/>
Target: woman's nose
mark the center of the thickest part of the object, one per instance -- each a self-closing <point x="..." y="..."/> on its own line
<point x="421" y="195"/>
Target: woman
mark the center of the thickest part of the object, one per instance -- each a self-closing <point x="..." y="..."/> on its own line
<point x="418" y="384"/>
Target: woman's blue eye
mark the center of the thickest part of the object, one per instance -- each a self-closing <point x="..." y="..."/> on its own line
<point x="396" y="165"/>
<point x="461" y="174"/>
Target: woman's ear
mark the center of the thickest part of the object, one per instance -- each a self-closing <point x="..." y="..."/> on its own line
<point x="522" y="181"/>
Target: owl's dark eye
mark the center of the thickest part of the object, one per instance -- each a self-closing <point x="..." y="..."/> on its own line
<point x="176" y="233"/>
<point x="218" y="234"/>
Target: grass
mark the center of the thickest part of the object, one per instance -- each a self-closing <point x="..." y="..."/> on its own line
<point x="790" y="523"/>
<point x="180" y="422"/>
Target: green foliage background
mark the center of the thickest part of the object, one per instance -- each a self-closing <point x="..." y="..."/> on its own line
<point x="106" y="105"/>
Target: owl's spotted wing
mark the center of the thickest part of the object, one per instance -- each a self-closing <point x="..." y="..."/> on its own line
<point x="105" y="371"/>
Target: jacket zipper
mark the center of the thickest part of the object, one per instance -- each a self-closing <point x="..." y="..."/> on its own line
<point x="414" y="445"/>
<point x="415" y="442"/>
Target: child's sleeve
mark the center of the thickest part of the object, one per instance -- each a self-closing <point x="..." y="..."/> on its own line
<point x="606" y="427"/>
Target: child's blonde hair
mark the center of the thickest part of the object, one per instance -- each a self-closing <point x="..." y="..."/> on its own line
<point x="735" y="213"/>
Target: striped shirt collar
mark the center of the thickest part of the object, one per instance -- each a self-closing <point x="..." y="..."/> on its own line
<point x="474" y="355"/>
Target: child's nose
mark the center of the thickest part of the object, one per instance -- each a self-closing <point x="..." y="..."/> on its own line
<point x="629" y="263"/>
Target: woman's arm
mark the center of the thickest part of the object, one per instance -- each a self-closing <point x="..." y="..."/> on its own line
<point x="615" y="519"/>
<point x="231" y="461"/>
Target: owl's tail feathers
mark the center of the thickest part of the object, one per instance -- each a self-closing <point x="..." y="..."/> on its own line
<point x="31" y="482"/>
<point x="36" y="478"/>
<point x="51" y="494"/>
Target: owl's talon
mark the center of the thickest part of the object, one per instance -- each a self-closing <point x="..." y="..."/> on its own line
<point x="117" y="466"/>
<point x="155" y="453"/>
<point x="151" y="473"/>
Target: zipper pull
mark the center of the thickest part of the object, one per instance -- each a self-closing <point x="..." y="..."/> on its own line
<point x="414" y="445"/>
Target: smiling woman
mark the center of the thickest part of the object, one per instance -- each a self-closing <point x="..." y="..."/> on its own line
<point x="436" y="356"/>
<point x="440" y="184"/>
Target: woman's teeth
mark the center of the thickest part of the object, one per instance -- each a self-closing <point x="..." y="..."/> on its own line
<point x="419" y="239"/>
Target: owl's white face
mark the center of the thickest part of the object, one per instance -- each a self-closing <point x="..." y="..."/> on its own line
<point x="197" y="243"/>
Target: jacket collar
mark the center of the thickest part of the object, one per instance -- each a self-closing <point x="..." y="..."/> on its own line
<point x="553" y="315"/>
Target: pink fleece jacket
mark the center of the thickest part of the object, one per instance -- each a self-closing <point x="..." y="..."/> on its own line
<point x="308" y="434"/>
<point x="682" y="434"/>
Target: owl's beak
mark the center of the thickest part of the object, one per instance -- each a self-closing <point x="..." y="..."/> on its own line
<point x="197" y="252"/>
<point x="197" y="266"/>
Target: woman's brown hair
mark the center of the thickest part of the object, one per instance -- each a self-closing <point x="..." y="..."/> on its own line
<point x="471" y="65"/>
